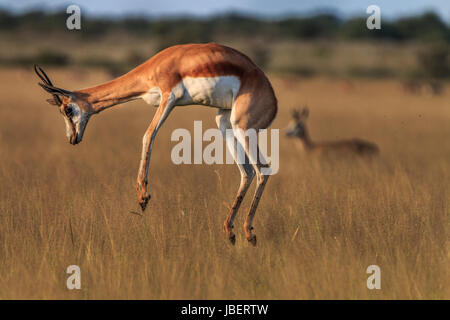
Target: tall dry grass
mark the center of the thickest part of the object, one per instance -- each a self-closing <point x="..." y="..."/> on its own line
<point x="319" y="224"/>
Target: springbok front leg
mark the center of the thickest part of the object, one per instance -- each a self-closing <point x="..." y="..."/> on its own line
<point x="166" y="105"/>
<point x="245" y="168"/>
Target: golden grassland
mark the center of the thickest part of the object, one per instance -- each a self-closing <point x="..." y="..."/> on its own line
<point x="320" y="223"/>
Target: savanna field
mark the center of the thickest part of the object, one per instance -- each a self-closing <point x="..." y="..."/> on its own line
<point x="320" y="222"/>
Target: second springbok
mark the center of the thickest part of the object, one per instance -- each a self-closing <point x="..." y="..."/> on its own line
<point x="298" y="128"/>
<point x="193" y="74"/>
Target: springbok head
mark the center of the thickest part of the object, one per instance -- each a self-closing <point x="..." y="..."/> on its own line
<point x="297" y="126"/>
<point x="75" y="110"/>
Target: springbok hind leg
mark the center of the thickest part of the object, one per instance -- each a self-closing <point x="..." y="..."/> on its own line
<point x="248" y="227"/>
<point x="262" y="171"/>
<point x="245" y="168"/>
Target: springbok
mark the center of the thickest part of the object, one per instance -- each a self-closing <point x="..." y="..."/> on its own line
<point x="299" y="129"/>
<point x="193" y="74"/>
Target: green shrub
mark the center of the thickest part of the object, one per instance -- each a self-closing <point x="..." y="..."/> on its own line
<point x="373" y="72"/>
<point x="433" y="61"/>
<point x="50" y="57"/>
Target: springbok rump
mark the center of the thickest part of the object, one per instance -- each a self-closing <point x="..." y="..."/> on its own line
<point x="356" y="147"/>
<point x="193" y="74"/>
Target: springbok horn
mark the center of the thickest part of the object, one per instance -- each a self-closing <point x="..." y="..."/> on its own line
<point x="41" y="74"/>
<point x="48" y="85"/>
<point x="55" y="90"/>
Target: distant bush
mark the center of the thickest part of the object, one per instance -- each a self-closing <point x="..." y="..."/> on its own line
<point x="50" y="57"/>
<point x="428" y="26"/>
<point x="137" y="25"/>
<point x="320" y="26"/>
<point x="260" y="55"/>
<point x="39" y="21"/>
<point x="46" y="57"/>
<point x="303" y="71"/>
<point x="7" y="20"/>
<point x="433" y="61"/>
<point x="237" y="25"/>
<point x="97" y="62"/>
<point x="322" y="51"/>
<point x="24" y="61"/>
<point x="97" y="28"/>
<point x="113" y="67"/>
<point x="134" y="59"/>
<point x="374" y="72"/>
<point x="180" y="31"/>
<point x="357" y="29"/>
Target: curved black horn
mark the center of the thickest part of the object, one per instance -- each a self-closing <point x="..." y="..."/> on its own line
<point x="55" y="90"/>
<point x="47" y="85"/>
<point x="41" y="74"/>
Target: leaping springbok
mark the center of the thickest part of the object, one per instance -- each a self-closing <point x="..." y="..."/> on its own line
<point x="193" y="74"/>
<point x="298" y="128"/>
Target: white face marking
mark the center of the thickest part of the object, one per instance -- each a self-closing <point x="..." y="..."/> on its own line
<point x="296" y="128"/>
<point x="79" y="119"/>
<point x="210" y="91"/>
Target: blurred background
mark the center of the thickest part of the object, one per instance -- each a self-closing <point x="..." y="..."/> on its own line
<point x="306" y="38"/>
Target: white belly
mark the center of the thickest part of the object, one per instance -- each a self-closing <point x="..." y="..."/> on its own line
<point x="215" y="91"/>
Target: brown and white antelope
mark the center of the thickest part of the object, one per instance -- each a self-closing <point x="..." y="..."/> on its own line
<point x="298" y="128"/>
<point x="193" y="74"/>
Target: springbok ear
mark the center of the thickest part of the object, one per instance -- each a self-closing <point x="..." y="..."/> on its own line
<point x="305" y="112"/>
<point x="295" y="114"/>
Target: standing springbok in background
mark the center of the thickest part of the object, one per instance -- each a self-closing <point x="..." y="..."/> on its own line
<point x="193" y="74"/>
<point x="298" y="129"/>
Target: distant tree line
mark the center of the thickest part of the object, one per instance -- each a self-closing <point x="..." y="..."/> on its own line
<point x="432" y="60"/>
<point x="425" y="27"/>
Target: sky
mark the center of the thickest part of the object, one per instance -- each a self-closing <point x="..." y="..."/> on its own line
<point x="268" y="8"/>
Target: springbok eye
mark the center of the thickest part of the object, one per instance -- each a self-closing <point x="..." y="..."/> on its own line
<point x="69" y="112"/>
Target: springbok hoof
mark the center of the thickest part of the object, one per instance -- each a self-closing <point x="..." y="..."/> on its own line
<point x="232" y="238"/>
<point x="143" y="203"/>
<point x="252" y="240"/>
